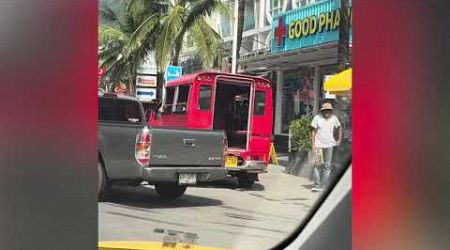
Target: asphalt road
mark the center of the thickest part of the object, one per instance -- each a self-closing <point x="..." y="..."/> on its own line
<point x="217" y="215"/>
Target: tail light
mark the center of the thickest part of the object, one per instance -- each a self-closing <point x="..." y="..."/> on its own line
<point x="142" y="150"/>
<point x="225" y="146"/>
<point x="225" y="149"/>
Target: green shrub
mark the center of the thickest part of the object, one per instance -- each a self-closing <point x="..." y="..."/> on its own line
<point x="301" y="133"/>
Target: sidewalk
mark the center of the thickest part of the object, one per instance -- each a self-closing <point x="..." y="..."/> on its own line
<point x="295" y="167"/>
<point x="276" y="169"/>
<point x="286" y="188"/>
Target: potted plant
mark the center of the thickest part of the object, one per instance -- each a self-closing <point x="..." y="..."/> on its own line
<point x="300" y="141"/>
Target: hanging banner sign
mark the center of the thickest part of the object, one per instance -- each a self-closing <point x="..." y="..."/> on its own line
<point x="307" y="26"/>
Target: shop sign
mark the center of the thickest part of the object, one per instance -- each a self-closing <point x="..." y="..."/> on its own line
<point x="145" y="94"/>
<point x="146" y="81"/>
<point x="307" y="26"/>
<point x="173" y="72"/>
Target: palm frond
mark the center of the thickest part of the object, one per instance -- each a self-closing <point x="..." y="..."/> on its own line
<point x="109" y="52"/>
<point x="154" y="6"/>
<point x="171" y="26"/>
<point x="199" y="9"/>
<point x="109" y="33"/>
<point x="223" y="9"/>
<point x="134" y="7"/>
<point x="108" y="14"/>
<point x="109" y="62"/>
<point x="203" y="8"/>
<point x="141" y="34"/>
<point x="207" y="42"/>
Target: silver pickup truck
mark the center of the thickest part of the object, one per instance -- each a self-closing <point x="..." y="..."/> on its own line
<point x="170" y="159"/>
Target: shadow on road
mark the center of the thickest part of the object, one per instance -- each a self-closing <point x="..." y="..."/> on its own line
<point x="308" y="186"/>
<point x="147" y="198"/>
<point x="231" y="183"/>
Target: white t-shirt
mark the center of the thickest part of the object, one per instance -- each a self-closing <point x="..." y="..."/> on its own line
<point x="325" y="130"/>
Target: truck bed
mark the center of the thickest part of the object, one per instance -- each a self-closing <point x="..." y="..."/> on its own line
<point x="186" y="148"/>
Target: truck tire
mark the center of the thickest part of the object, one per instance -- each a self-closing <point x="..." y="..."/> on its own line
<point x="246" y="180"/>
<point x="103" y="183"/>
<point x="170" y="191"/>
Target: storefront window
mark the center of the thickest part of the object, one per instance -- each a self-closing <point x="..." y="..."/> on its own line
<point x="275" y="7"/>
<point x="298" y="96"/>
<point x="249" y="15"/>
<point x="225" y="26"/>
<point x="302" y="3"/>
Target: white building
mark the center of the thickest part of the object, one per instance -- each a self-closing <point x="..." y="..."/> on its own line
<point x="257" y="36"/>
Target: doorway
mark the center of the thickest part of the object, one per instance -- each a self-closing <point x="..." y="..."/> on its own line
<point x="231" y="111"/>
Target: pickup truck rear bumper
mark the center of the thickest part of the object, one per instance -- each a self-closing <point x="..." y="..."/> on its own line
<point x="256" y="167"/>
<point x="170" y="174"/>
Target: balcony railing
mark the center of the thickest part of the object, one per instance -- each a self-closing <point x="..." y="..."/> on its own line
<point x="254" y="54"/>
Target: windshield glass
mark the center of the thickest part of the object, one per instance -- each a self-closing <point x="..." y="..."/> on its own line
<point x="235" y="161"/>
<point x="117" y="110"/>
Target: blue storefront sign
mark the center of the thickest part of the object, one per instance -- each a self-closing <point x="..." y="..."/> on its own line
<point x="173" y="72"/>
<point x="308" y="26"/>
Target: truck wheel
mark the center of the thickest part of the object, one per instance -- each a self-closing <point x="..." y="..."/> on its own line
<point x="247" y="180"/>
<point x="103" y="183"/>
<point x="170" y="190"/>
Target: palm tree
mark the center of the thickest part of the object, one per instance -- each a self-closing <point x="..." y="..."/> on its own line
<point x="344" y="36"/>
<point x="125" y="42"/>
<point x="160" y="26"/>
<point x="189" y="17"/>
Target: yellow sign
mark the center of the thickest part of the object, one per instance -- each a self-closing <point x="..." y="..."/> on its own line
<point x="273" y="155"/>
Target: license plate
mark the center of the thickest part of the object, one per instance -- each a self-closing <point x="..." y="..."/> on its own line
<point x="231" y="161"/>
<point x="187" y="178"/>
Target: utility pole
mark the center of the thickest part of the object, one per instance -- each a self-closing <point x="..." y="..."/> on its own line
<point x="344" y="37"/>
<point x="235" y="34"/>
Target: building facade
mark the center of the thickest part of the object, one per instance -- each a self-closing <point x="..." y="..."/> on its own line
<point x="257" y="35"/>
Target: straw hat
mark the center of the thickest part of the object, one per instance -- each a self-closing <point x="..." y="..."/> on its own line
<point x="326" y="106"/>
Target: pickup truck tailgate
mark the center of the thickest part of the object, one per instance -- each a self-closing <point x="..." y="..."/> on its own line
<point x="177" y="147"/>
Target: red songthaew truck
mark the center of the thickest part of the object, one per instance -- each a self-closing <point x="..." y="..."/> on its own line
<point x="239" y="105"/>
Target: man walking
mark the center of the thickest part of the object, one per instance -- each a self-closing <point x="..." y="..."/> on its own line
<point x="323" y="142"/>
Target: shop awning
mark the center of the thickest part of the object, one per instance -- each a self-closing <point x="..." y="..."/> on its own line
<point x="339" y="83"/>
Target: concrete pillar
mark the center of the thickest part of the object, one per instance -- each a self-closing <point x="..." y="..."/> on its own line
<point x="278" y="101"/>
<point x="316" y="87"/>
<point x="261" y="14"/>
